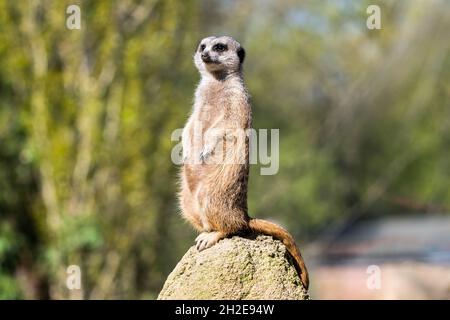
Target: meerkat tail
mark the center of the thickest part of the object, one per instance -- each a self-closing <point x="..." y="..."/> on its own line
<point x="274" y="230"/>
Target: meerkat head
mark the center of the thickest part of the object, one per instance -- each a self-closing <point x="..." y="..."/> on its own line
<point x="219" y="56"/>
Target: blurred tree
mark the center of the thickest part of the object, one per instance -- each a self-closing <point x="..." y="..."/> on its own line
<point x="86" y="114"/>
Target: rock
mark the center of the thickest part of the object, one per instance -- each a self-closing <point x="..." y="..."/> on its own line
<point x="236" y="268"/>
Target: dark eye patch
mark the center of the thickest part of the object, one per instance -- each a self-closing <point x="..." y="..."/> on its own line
<point x="202" y="47"/>
<point x="220" y="47"/>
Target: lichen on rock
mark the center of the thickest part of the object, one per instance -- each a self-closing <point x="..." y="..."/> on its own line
<point x="256" y="267"/>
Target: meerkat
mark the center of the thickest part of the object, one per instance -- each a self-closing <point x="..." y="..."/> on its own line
<point x="215" y="171"/>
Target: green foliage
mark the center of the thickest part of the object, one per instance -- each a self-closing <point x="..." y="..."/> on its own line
<point x="9" y="244"/>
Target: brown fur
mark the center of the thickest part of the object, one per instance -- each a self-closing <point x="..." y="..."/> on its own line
<point x="213" y="196"/>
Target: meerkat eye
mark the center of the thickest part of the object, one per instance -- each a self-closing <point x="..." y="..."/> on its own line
<point x="202" y="47"/>
<point x="220" y="47"/>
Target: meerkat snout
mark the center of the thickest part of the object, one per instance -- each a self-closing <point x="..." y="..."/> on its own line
<point x="206" y="58"/>
<point x="219" y="55"/>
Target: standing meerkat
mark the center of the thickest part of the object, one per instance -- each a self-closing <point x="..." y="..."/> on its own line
<point x="215" y="171"/>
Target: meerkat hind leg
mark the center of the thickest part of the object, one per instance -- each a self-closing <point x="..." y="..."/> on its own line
<point x="206" y="240"/>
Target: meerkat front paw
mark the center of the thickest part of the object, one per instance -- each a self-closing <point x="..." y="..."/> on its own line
<point x="206" y="240"/>
<point x="185" y="154"/>
<point x="205" y="154"/>
<point x="185" y="158"/>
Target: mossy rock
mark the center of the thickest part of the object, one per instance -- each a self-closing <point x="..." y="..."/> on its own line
<point x="236" y="268"/>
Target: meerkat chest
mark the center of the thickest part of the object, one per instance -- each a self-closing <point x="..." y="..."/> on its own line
<point x="209" y="113"/>
<point x="212" y="105"/>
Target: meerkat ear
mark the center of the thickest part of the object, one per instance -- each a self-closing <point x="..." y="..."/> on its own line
<point x="241" y="54"/>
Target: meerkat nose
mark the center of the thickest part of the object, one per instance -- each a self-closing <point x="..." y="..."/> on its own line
<point x="206" y="58"/>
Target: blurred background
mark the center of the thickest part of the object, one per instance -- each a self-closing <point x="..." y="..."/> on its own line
<point x="86" y="118"/>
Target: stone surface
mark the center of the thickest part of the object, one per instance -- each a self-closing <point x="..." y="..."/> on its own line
<point x="236" y="268"/>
